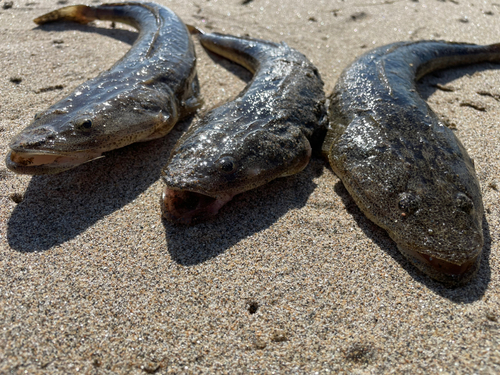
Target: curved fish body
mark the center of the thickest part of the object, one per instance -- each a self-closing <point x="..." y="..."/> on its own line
<point x="140" y="98"/>
<point x="406" y="171"/>
<point x="263" y="134"/>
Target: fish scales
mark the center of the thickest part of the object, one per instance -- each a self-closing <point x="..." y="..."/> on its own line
<point x="139" y="98"/>
<point x="403" y="167"/>
<point x="264" y="133"/>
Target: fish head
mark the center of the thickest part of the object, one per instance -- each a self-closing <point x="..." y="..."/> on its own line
<point x="426" y="196"/>
<point x="83" y="126"/>
<point x="438" y="227"/>
<point x="225" y="154"/>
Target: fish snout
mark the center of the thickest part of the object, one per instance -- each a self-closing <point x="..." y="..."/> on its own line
<point x="188" y="207"/>
<point x="33" y="139"/>
<point x="451" y="273"/>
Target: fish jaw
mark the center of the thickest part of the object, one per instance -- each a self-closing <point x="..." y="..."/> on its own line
<point x="39" y="162"/>
<point x="188" y="207"/>
<point x="448" y="273"/>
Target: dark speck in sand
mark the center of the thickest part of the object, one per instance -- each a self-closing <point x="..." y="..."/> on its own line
<point x="16" y="80"/>
<point x="252" y="307"/>
<point x="474" y="104"/>
<point x="358" y="16"/>
<point x="49" y="88"/>
<point x="17" y="197"/>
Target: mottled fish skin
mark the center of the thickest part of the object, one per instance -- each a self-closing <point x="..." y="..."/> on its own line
<point x="140" y="98"/>
<point x="263" y="134"/>
<point x="406" y="171"/>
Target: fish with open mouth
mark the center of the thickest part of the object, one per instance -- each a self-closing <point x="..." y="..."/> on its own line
<point x="138" y="99"/>
<point x="264" y="133"/>
<point x="404" y="168"/>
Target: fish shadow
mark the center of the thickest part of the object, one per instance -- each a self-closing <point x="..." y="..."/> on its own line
<point x="125" y="36"/>
<point x="230" y="66"/>
<point x="429" y="84"/>
<point x="57" y="208"/>
<point x="248" y="213"/>
<point x="472" y="291"/>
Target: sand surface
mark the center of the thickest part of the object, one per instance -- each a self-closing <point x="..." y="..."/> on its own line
<point x="290" y="277"/>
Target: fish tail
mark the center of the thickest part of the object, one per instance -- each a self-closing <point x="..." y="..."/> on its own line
<point x="244" y="51"/>
<point x="76" y="13"/>
<point x="193" y="30"/>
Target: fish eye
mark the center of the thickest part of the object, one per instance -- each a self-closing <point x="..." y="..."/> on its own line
<point x="226" y="164"/>
<point x="86" y="124"/>
<point x="408" y="203"/>
<point x="464" y="202"/>
<point x="37" y="115"/>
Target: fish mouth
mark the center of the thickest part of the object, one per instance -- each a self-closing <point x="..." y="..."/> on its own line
<point x="189" y="207"/>
<point x="47" y="162"/>
<point x="447" y="273"/>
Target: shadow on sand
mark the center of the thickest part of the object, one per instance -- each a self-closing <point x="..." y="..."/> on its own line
<point x="248" y="213"/>
<point x="125" y="36"/>
<point x="56" y="208"/>
<point x="428" y="84"/>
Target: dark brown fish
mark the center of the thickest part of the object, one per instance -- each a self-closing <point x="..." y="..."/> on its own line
<point x="263" y="134"/>
<point x="404" y="168"/>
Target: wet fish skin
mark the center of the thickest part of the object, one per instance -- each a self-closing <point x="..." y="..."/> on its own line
<point x="263" y="134"/>
<point x="138" y="99"/>
<point x="406" y="171"/>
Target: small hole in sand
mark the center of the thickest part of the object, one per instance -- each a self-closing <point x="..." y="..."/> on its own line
<point x="253" y="307"/>
<point x="17" y="197"/>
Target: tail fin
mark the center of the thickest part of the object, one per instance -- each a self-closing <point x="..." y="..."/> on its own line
<point x="76" y="13"/>
<point x="193" y="30"/>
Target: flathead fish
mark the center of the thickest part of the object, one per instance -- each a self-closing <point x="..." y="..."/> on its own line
<point x="263" y="134"/>
<point x="403" y="167"/>
<point x="138" y="99"/>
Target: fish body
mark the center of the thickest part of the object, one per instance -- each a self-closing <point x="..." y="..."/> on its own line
<point x="403" y="167"/>
<point x="138" y="99"/>
<point x="263" y="134"/>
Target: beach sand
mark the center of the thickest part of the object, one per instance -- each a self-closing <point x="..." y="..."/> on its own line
<point x="288" y="278"/>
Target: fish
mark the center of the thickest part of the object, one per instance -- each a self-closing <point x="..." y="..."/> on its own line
<point x="265" y="133"/>
<point x="407" y="171"/>
<point x="140" y="98"/>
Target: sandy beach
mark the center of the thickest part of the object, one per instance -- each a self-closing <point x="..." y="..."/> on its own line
<point x="288" y="278"/>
